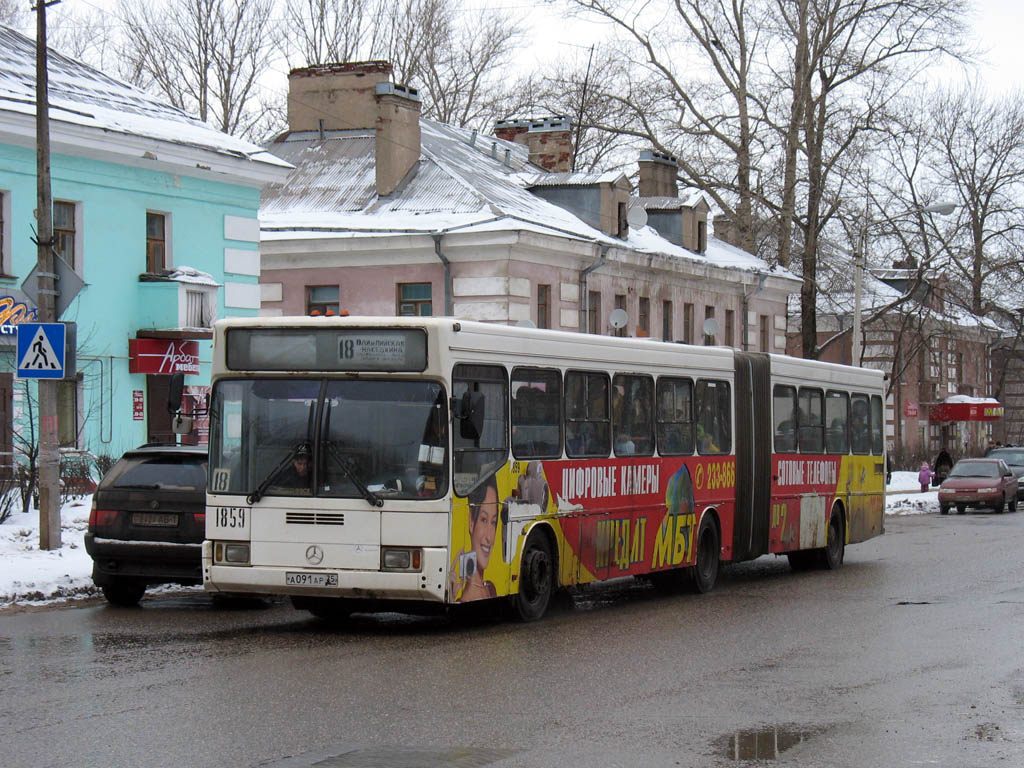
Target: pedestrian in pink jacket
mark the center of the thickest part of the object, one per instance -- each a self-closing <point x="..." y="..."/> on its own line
<point x="924" y="477"/>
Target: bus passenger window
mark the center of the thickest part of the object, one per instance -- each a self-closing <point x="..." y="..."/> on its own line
<point x="784" y="418"/>
<point x="810" y="421"/>
<point x="714" y="417"/>
<point x="860" y="431"/>
<point x="675" y="416"/>
<point x="536" y="413"/>
<point x="837" y="407"/>
<point x="475" y="460"/>
<point x="587" y="418"/>
<point x="632" y="420"/>
<point x="877" y="429"/>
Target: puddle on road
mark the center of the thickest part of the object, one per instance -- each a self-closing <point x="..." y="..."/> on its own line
<point x="414" y="758"/>
<point x="764" y="743"/>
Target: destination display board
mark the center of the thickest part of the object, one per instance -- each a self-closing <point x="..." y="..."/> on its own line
<point x="327" y="349"/>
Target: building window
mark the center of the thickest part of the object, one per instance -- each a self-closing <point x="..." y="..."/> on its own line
<point x="765" y="347"/>
<point x="666" y="320"/>
<point x="323" y="300"/>
<point x="156" y="242"/>
<point x="593" y="312"/>
<point x="5" y="233"/>
<point x="414" y="299"/>
<point x="620" y="303"/>
<point x="702" y="236"/>
<point x="688" y="323"/>
<point x="543" y="306"/>
<point x="709" y="314"/>
<point x="730" y="328"/>
<point x="64" y="233"/>
<point x="623" y="222"/>
<point x="643" y="323"/>
<point x="195" y="315"/>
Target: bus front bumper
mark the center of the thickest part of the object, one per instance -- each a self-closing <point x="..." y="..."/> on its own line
<point x="427" y="584"/>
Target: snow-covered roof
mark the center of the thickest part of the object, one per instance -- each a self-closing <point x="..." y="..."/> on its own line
<point x="574" y="179"/>
<point x="84" y="97"/>
<point x="464" y="182"/>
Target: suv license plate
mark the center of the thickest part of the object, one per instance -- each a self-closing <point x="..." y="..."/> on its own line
<point x="157" y="519"/>
<point x="297" y="579"/>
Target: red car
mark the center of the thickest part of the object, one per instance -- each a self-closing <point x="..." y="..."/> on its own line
<point x="979" y="483"/>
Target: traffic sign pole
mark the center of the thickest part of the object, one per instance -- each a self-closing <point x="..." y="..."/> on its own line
<point x="49" y="455"/>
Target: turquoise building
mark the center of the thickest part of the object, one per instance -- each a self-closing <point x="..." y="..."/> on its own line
<point x="155" y="213"/>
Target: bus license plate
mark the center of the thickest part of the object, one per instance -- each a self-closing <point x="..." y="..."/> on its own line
<point x="298" y="579"/>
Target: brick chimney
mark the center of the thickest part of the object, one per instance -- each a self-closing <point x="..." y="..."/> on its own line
<point x="657" y="175"/>
<point x="360" y="96"/>
<point x="549" y="140"/>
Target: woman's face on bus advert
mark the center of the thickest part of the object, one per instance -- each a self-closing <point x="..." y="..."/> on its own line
<point x="483" y="522"/>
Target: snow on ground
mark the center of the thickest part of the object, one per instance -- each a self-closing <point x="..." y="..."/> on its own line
<point x="30" y="576"/>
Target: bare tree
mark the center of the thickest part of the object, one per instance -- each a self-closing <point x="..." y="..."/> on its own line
<point x="979" y="146"/>
<point x="87" y="35"/>
<point x="330" y="31"/>
<point x="781" y="119"/>
<point x="208" y="62"/>
<point x="14" y="13"/>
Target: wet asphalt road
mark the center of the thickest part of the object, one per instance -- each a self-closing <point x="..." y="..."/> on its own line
<point x="910" y="655"/>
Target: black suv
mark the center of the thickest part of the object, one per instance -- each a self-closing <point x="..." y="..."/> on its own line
<point x="1014" y="458"/>
<point x="148" y="521"/>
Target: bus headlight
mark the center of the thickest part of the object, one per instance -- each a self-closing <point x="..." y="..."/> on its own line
<point x="230" y="552"/>
<point x="400" y="559"/>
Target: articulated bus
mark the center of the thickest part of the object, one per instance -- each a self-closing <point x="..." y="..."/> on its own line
<point x="410" y="464"/>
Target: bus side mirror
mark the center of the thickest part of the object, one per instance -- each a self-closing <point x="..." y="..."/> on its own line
<point x="174" y="392"/>
<point x="469" y="410"/>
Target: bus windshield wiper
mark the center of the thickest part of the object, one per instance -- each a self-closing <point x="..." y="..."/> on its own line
<point x="345" y="464"/>
<point x="256" y="495"/>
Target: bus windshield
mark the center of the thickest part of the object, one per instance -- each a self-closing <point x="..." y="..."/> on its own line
<point x="329" y="438"/>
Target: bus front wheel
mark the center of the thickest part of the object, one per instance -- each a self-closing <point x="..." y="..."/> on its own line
<point x="536" y="579"/>
<point x="704" y="573"/>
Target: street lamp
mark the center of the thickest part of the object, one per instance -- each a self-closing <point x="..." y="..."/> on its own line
<point x="943" y="209"/>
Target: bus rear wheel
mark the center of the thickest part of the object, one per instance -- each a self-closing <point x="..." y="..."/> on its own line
<point x="835" y="545"/>
<point x="704" y="573"/>
<point x="536" y="579"/>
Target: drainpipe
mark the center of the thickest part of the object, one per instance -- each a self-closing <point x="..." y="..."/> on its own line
<point x="447" y="274"/>
<point x="584" y="295"/>
<point x="746" y="307"/>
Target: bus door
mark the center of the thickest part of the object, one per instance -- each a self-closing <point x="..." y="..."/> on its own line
<point x="753" y="430"/>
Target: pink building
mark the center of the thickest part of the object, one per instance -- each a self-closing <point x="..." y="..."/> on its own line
<point x="388" y="213"/>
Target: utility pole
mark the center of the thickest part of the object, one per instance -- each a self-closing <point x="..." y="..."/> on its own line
<point x="49" y="452"/>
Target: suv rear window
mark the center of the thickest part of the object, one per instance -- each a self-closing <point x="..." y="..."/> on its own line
<point x="157" y="472"/>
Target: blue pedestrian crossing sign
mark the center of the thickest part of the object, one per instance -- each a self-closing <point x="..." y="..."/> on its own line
<point x="41" y="350"/>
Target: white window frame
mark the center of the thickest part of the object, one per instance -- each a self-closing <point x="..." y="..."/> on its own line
<point x="209" y="297"/>
<point x="168" y="238"/>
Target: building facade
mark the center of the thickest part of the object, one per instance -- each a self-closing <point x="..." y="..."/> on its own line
<point x="934" y="354"/>
<point x="387" y="213"/>
<point x="156" y="215"/>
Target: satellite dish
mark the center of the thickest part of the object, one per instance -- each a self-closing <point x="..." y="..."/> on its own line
<point x="526" y="324"/>
<point x="618" y="318"/>
<point x="636" y="217"/>
<point x="710" y="327"/>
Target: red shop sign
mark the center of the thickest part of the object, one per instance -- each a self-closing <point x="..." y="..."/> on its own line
<point x="163" y="356"/>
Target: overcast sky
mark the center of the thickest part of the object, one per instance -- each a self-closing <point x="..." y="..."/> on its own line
<point x="998" y="26"/>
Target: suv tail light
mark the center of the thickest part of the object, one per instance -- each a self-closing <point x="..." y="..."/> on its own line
<point x="200" y="518"/>
<point x="101" y="518"/>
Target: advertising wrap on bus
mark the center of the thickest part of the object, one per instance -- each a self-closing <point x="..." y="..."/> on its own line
<point x="625" y="517"/>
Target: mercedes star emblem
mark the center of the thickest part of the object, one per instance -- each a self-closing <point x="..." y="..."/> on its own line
<point x="314" y="554"/>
